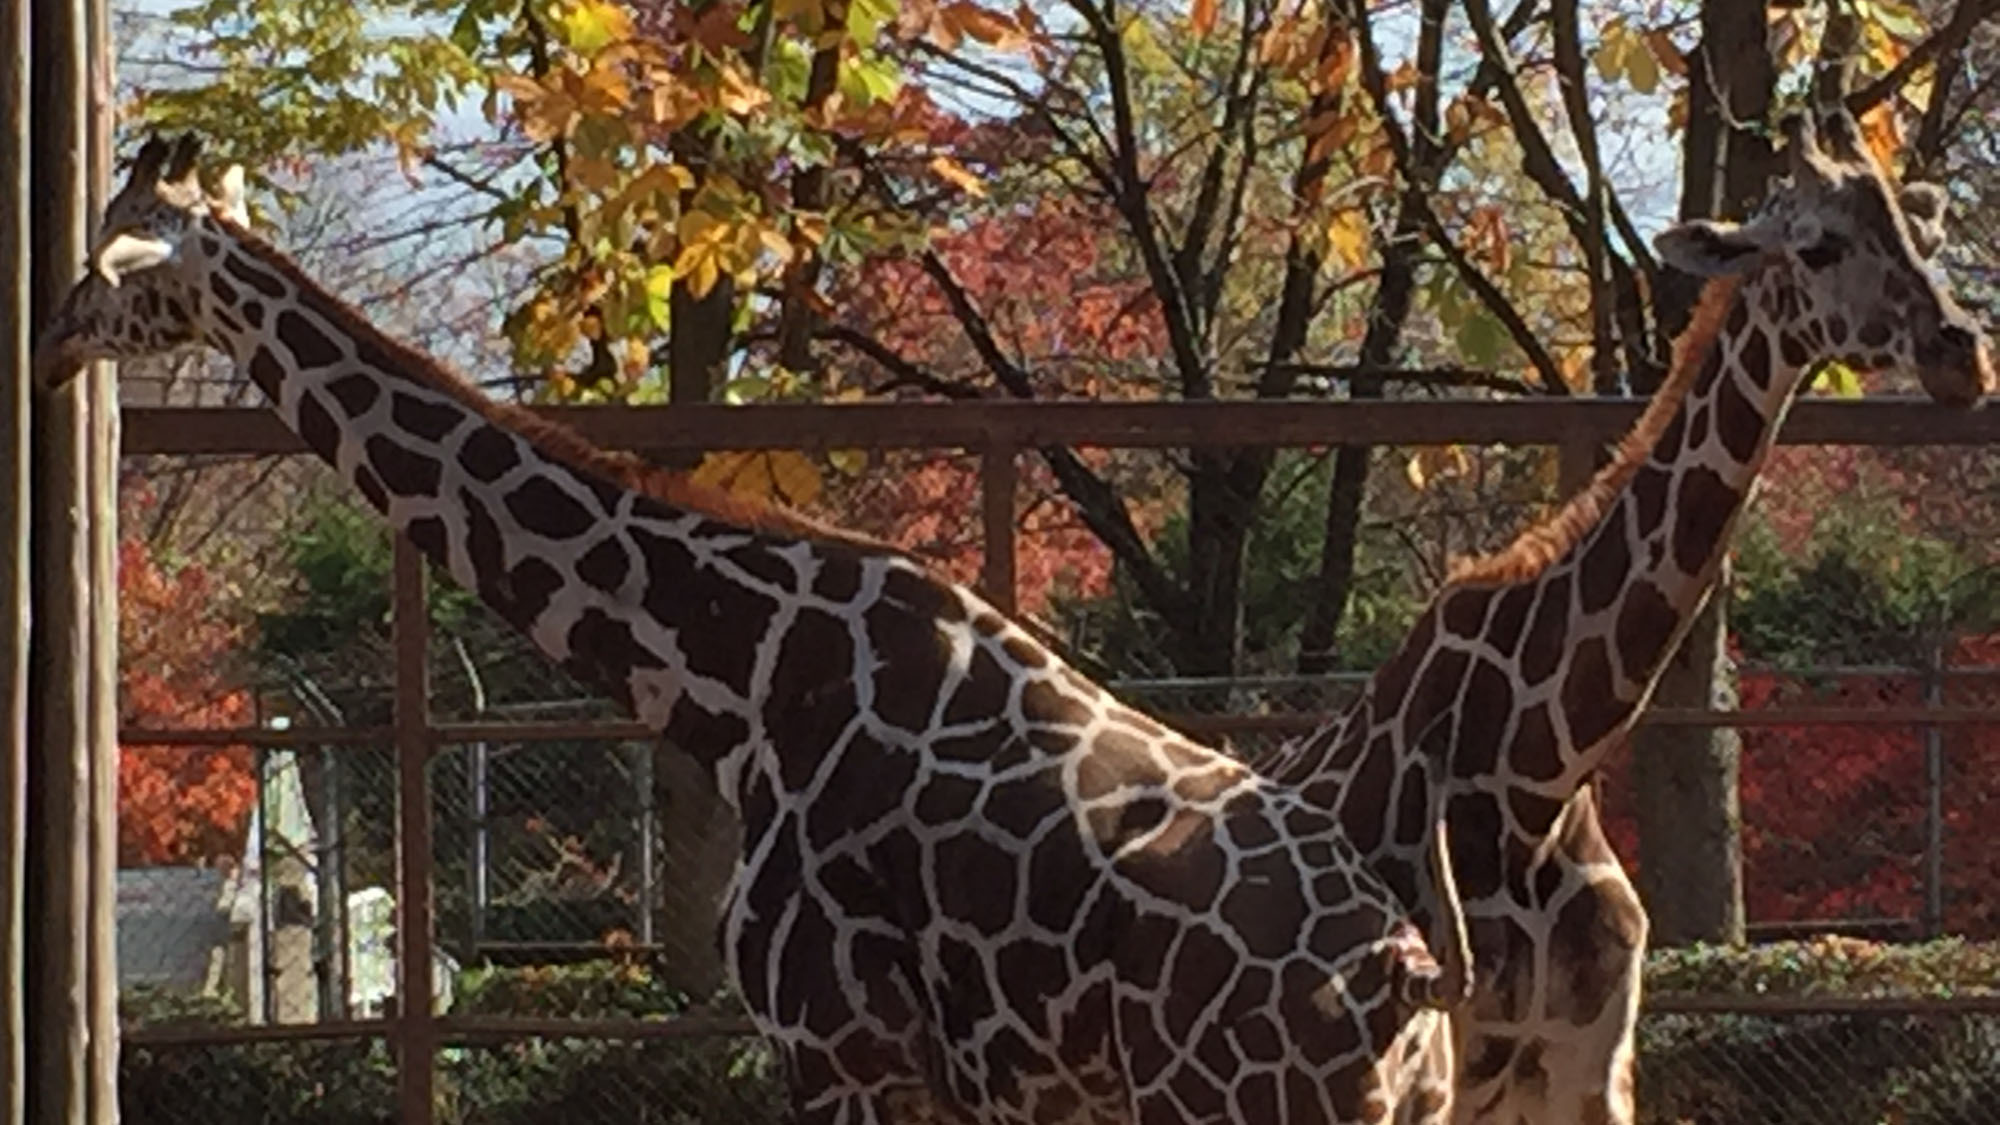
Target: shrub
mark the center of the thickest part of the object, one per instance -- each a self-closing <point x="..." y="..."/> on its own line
<point x="1822" y="1068"/>
<point x="687" y="1081"/>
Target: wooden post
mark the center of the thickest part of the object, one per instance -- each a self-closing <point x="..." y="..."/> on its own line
<point x="416" y="1021"/>
<point x="70" y="891"/>
<point x="998" y="478"/>
<point x="16" y="564"/>
<point x="100" y="454"/>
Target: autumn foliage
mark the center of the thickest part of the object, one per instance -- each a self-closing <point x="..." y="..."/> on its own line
<point x="178" y="805"/>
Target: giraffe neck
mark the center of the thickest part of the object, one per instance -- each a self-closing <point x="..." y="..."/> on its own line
<point x="704" y="629"/>
<point x="1599" y="623"/>
<point x="1528" y="666"/>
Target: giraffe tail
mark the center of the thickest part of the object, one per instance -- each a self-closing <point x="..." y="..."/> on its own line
<point x="1442" y="977"/>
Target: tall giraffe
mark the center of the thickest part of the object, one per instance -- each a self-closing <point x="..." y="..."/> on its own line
<point x="1545" y="653"/>
<point x="974" y="887"/>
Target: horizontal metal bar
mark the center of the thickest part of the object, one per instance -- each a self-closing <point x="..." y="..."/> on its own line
<point x="1883" y="420"/>
<point x="597" y="730"/>
<point x="488" y="1029"/>
<point x="1690" y="1003"/>
<point x="483" y="1030"/>
<point x="225" y="1034"/>
<point x="268" y="737"/>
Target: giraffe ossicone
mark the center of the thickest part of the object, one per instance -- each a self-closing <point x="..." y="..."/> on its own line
<point x="974" y="886"/>
<point x="1537" y="660"/>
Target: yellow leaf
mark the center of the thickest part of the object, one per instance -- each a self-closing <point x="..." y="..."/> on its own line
<point x="740" y="94"/>
<point x="1610" y="54"/>
<point x="958" y="175"/>
<point x="794" y="479"/>
<point x="848" y="462"/>
<point x="1201" y="18"/>
<point x="589" y="26"/>
<point x="1414" y="470"/>
<point x="720" y="470"/>
<point x="1347" y="238"/>
<point x="1641" y="68"/>
<point x="520" y="87"/>
<point x="699" y="262"/>
<point x="605" y="90"/>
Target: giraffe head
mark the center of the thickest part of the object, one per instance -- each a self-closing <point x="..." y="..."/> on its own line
<point x="1859" y="253"/>
<point x="144" y="290"/>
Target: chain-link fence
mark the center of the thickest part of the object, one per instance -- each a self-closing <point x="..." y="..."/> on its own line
<point x="1932" y="1062"/>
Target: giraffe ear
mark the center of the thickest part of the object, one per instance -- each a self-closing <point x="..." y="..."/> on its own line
<point x="1923" y="208"/>
<point x="230" y="198"/>
<point x="1711" y="248"/>
<point x="1922" y="201"/>
<point x="125" y="253"/>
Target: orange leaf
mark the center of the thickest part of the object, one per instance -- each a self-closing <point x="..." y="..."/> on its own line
<point x="958" y="175"/>
<point x="1202" y="17"/>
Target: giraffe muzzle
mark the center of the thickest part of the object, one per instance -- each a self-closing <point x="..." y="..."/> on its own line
<point x="1957" y="368"/>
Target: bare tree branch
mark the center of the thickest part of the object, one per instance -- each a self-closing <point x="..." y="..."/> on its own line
<point x="1576" y="106"/>
<point x="1130" y="197"/>
<point x="1539" y="162"/>
<point x="1496" y="302"/>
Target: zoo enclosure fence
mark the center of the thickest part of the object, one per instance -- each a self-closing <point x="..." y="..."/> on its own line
<point x="429" y="1047"/>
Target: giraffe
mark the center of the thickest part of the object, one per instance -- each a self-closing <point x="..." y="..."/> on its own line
<point x="1545" y="653"/>
<point x="974" y="886"/>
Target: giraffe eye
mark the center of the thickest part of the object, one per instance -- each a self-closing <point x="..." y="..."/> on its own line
<point x="1828" y="250"/>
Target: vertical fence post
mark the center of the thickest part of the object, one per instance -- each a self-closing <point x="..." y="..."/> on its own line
<point x="416" y="1027"/>
<point x="998" y="478"/>
<point x="16" y="566"/>
<point x="70" y="970"/>
<point x="1933" y="921"/>
<point x="1576" y="463"/>
<point x="100" y="395"/>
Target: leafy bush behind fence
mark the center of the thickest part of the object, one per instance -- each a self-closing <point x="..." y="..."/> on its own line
<point x="1696" y="1068"/>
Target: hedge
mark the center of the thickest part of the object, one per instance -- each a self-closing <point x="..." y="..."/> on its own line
<point x="1702" y="1069"/>
<point x="1829" y="1069"/>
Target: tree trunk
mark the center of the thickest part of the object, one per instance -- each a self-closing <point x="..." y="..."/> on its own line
<point x="1690" y="826"/>
<point x="698" y="835"/>
<point x="1340" y="536"/>
<point x="1219" y="520"/>
<point x="1690" y="848"/>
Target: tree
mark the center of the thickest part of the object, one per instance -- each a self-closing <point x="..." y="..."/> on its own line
<point x="1193" y="201"/>
<point x="179" y="805"/>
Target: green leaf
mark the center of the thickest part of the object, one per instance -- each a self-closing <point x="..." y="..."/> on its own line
<point x="592" y="25"/>
<point x="659" y="294"/>
<point x="866" y="18"/>
<point x="1481" y="338"/>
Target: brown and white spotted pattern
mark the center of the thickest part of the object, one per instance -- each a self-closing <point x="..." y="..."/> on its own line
<point x="974" y="887"/>
<point x="1540" y="658"/>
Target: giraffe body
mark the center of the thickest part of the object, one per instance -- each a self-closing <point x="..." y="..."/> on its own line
<point x="974" y="887"/>
<point x="1535" y="663"/>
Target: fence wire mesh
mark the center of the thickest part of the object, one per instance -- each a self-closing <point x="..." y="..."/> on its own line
<point x="1914" y="1068"/>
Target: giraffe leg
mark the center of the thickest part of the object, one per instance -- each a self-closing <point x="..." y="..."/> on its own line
<point x="1571" y="1057"/>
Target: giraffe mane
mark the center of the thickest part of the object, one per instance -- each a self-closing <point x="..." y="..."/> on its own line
<point x="1535" y="549"/>
<point x="676" y="488"/>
